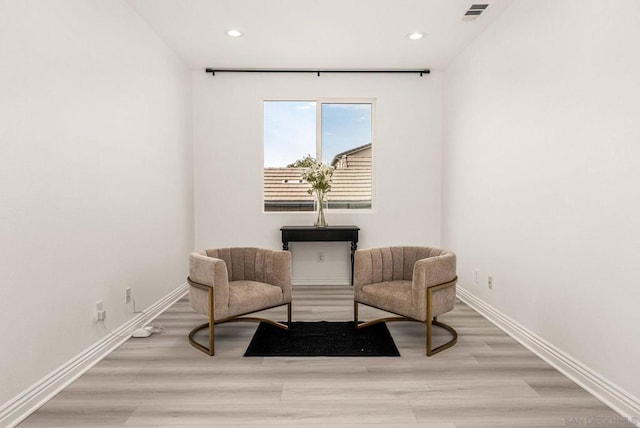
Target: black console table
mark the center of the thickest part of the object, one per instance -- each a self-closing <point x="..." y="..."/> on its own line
<point x="321" y="234"/>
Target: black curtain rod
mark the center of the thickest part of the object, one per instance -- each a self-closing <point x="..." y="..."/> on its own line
<point x="213" y="71"/>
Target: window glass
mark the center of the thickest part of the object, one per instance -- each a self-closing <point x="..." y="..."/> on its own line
<point x="341" y="135"/>
<point x="289" y="131"/>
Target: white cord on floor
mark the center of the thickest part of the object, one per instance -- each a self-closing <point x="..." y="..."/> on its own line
<point x="154" y="328"/>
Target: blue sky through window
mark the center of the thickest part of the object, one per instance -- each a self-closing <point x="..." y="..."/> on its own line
<point x="290" y="130"/>
<point x="344" y="127"/>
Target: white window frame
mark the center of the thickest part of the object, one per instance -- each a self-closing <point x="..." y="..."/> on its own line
<point x="319" y="101"/>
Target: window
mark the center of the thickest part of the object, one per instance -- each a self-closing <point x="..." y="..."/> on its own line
<point x="337" y="132"/>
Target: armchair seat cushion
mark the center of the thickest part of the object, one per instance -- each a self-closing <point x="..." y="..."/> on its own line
<point x="392" y="296"/>
<point x="244" y="297"/>
<point x="251" y="296"/>
<point x="397" y="297"/>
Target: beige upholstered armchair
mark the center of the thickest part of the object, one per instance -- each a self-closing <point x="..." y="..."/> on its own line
<point x="226" y="283"/>
<point x="417" y="283"/>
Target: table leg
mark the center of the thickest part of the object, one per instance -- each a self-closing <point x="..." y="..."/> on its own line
<point x="354" y="247"/>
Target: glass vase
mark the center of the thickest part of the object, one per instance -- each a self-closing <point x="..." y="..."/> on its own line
<point x="320" y="205"/>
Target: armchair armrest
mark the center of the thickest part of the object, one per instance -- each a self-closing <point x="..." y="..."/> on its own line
<point x="431" y="272"/>
<point x="434" y="271"/>
<point x="362" y="270"/>
<point x="211" y="272"/>
<point x="280" y="275"/>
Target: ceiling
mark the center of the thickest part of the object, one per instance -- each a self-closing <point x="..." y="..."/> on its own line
<point x="316" y="34"/>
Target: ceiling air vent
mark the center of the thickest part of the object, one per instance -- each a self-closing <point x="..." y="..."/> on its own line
<point x="474" y="12"/>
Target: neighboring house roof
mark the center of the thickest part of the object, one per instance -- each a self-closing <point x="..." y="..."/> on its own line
<point x="353" y="152"/>
<point x="285" y="184"/>
<point x="350" y="185"/>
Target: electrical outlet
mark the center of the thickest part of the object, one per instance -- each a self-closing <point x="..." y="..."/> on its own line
<point x="320" y="257"/>
<point x="101" y="314"/>
<point x="490" y="282"/>
<point x="477" y="275"/>
<point x="127" y="295"/>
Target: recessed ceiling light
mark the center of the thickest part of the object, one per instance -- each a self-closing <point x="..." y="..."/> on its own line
<point x="415" y="36"/>
<point x="234" y="33"/>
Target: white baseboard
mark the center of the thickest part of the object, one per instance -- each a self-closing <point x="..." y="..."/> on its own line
<point x="16" y="410"/>
<point x="610" y="394"/>
<point x="318" y="280"/>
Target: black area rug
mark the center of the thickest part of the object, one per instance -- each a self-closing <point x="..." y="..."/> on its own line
<point x="316" y="339"/>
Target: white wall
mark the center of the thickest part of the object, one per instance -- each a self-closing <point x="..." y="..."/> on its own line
<point x="541" y="176"/>
<point x="229" y="163"/>
<point x="95" y="177"/>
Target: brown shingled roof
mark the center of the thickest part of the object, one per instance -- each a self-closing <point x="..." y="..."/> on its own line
<point x="350" y="187"/>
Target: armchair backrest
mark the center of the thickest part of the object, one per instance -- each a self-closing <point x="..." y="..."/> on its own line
<point x="255" y="264"/>
<point x="395" y="263"/>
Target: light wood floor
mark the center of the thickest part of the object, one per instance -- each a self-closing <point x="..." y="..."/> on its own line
<point x="486" y="380"/>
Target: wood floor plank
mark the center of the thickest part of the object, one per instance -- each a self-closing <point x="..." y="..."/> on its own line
<point x="513" y="411"/>
<point x="293" y="413"/>
<point x="486" y="380"/>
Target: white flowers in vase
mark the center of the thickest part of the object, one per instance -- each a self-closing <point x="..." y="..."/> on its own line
<point x="319" y="175"/>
